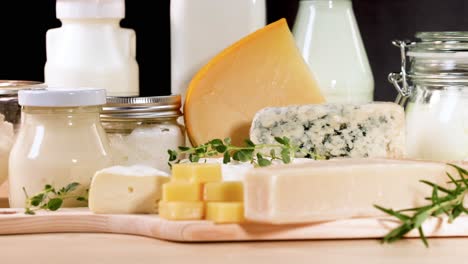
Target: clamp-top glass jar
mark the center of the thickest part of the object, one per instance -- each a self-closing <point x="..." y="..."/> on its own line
<point x="434" y="90"/>
<point x="142" y="129"/>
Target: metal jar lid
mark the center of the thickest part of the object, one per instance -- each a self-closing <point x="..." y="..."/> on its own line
<point x="141" y="108"/>
<point x="11" y="87"/>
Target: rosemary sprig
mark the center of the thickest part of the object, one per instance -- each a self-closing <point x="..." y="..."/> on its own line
<point x="282" y="150"/>
<point x="50" y="198"/>
<point x="449" y="203"/>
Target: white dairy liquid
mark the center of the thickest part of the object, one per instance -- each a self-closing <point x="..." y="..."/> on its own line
<point x="57" y="148"/>
<point x="201" y="29"/>
<point x="438" y="130"/>
<point x="93" y="53"/>
<point x="147" y="145"/>
<point x="328" y="36"/>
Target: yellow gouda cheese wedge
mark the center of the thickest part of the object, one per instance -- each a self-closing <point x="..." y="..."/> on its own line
<point x="262" y="69"/>
<point x="181" y="210"/>
<point x="223" y="192"/>
<point x="196" y="172"/>
<point x="182" y="192"/>
<point x="225" y="212"/>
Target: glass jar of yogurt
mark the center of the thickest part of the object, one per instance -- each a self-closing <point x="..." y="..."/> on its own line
<point x="60" y="141"/>
<point x="433" y="87"/>
<point x="142" y="129"/>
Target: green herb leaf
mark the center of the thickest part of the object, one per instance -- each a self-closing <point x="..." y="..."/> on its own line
<point x="182" y="148"/>
<point x="286" y="155"/>
<point x="280" y="140"/>
<point x="216" y="142"/>
<point x="221" y="148"/>
<point x="226" y="158"/>
<point x="54" y="204"/>
<point x="172" y="155"/>
<point x="249" y="143"/>
<point x="71" y="187"/>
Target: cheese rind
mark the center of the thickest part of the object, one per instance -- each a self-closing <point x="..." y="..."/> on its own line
<point x="223" y="192"/>
<point x="337" y="189"/>
<point x="181" y="210"/>
<point x="263" y="69"/>
<point x="225" y="212"/>
<point x="196" y="172"/>
<point x="126" y="190"/>
<point x="375" y="130"/>
<point x="182" y="192"/>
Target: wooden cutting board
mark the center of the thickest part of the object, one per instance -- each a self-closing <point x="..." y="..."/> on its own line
<point x="13" y="221"/>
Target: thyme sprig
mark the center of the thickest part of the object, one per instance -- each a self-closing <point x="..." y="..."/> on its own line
<point x="443" y="201"/>
<point x="50" y="198"/>
<point x="282" y="150"/>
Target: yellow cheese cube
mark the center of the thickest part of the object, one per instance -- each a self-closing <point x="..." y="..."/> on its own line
<point x="225" y="212"/>
<point x="181" y="210"/>
<point x="196" y="172"/>
<point x="182" y="192"/>
<point x="223" y="192"/>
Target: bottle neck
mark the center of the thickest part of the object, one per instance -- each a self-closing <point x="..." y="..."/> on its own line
<point x="326" y="3"/>
<point x="115" y="22"/>
<point x="60" y="114"/>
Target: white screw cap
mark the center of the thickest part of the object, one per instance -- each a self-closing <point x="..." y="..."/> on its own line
<point x="62" y="97"/>
<point x="76" y="9"/>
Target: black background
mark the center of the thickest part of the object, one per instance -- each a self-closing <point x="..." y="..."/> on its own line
<point x="23" y="25"/>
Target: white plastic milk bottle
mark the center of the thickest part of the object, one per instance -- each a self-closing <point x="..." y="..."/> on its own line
<point x="200" y="29"/>
<point x="91" y="49"/>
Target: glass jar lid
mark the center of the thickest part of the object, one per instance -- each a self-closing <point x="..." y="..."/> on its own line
<point x="131" y="108"/>
<point x="443" y="42"/>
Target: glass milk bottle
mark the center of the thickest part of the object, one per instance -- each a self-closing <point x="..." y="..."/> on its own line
<point x="60" y="141"/>
<point x="200" y="29"/>
<point x="327" y="34"/>
<point x="91" y="49"/>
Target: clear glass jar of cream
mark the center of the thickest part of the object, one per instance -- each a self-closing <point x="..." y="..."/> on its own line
<point x="142" y="129"/>
<point x="433" y="87"/>
<point x="61" y="140"/>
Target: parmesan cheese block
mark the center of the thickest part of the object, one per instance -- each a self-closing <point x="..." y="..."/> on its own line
<point x="263" y="69"/>
<point x="126" y="190"/>
<point x="375" y="130"/>
<point x="336" y="189"/>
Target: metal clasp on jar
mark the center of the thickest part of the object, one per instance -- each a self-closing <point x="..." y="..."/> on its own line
<point x="404" y="90"/>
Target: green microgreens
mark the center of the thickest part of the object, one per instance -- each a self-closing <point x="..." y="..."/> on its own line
<point x="449" y="203"/>
<point x="50" y="198"/>
<point x="282" y="150"/>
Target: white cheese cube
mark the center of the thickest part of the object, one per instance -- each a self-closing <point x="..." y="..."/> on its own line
<point x="126" y="190"/>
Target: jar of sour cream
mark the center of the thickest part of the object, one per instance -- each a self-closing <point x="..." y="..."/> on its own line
<point x="142" y="129"/>
<point x="434" y="91"/>
<point x="60" y="141"/>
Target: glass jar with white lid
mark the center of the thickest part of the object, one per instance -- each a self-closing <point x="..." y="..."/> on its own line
<point x="61" y="140"/>
<point x="433" y="87"/>
<point x="142" y="129"/>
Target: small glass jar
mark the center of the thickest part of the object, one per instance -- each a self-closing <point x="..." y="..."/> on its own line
<point x="9" y="106"/>
<point x="434" y="91"/>
<point x="61" y="141"/>
<point x="142" y="129"/>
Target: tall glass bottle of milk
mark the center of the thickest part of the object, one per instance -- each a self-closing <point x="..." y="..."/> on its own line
<point x="91" y="49"/>
<point x="328" y="36"/>
<point x="201" y="29"/>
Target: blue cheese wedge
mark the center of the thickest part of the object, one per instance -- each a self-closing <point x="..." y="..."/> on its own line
<point x="375" y="130"/>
